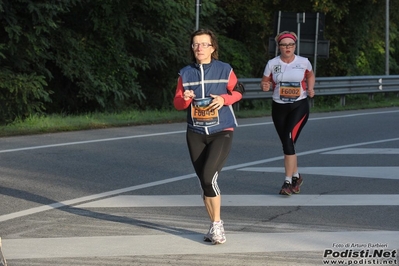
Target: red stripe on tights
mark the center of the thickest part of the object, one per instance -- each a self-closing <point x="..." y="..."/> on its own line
<point x="296" y="129"/>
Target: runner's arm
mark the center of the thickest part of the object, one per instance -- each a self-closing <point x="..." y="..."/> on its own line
<point x="178" y="101"/>
<point x="233" y="96"/>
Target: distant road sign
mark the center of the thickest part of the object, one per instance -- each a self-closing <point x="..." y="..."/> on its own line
<point x="310" y="30"/>
<point x="288" y="21"/>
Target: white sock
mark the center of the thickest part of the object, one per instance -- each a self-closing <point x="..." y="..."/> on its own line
<point x="289" y="179"/>
<point x="296" y="174"/>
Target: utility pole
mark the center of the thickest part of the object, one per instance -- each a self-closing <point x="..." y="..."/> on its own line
<point x="197" y="12"/>
<point x="316" y="43"/>
<point x="387" y="37"/>
<point x="300" y="18"/>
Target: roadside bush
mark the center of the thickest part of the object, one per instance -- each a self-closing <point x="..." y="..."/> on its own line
<point x="21" y="95"/>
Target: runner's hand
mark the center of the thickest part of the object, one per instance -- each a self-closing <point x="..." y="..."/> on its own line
<point x="311" y="93"/>
<point x="217" y="102"/>
<point x="188" y="94"/>
<point x="265" y="85"/>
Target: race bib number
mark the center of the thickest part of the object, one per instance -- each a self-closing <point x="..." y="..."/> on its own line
<point x="203" y="116"/>
<point x="290" y="91"/>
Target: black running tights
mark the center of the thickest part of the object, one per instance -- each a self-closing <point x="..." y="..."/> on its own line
<point x="208" y="154"/>
<point x="289" y="120"/>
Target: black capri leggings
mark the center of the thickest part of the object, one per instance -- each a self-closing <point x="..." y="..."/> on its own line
<point x="208" y="154"/>
<point x="289" y="119"/>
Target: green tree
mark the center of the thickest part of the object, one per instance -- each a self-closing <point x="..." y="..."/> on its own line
<point x="356" y="32"/>
<point x="76" y="56"/>
<point x="25" y="42"/>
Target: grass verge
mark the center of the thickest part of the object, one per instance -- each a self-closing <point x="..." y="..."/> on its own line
<point x="40" y="124"/>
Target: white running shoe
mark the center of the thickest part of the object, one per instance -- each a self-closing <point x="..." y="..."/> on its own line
<point x="216" y="234"/>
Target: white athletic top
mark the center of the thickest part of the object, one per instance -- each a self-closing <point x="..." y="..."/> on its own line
<point x="288" y="80"/>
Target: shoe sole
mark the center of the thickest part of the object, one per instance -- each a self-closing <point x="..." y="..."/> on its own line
<point x="285" y="193"/>
<point x="207" y="239"/>
<point x="218" y="242"/>
<point x="214" y="242"/>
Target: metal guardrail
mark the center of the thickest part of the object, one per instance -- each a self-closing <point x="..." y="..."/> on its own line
<point x="327" y="86"/>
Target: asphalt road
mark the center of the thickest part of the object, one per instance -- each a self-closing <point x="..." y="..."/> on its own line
<point x="129" y="196"/>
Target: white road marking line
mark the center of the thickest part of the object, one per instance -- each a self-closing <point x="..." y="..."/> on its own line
<point x="381" y="172"/>
<point x="324" y="118"/>
<point x="167" y="244"/>
<point x="365" y="151"/>
<point x="90" y="141"/>
<point x="127" y="201"/>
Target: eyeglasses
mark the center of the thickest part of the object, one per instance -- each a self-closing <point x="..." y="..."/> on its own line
<point x="286" y="45"/>
<point x="204" y="45"/>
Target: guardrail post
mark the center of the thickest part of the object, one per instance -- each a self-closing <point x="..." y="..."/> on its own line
<point x="311" y="102"/>
<point x="371" y="96"/>
<point x="236" y="106"/>
<point x="342" y="100"/>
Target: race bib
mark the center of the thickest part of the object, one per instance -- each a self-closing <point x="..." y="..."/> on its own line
<point x="203" y="115"/>
<point x="290" y="91"/>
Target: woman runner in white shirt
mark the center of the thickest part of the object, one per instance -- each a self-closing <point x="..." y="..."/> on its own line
<point x="292" y="80"/>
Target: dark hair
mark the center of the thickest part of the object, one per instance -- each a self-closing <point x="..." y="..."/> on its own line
<point x="214" y="42"/>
